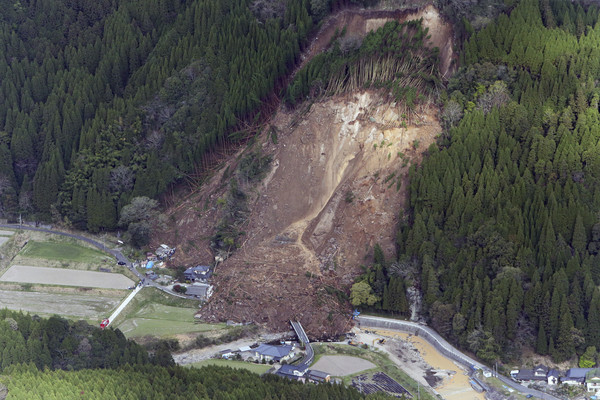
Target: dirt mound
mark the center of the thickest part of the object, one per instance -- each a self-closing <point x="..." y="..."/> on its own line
<point x="337" y="183"/>
<point x="336" y="187"/>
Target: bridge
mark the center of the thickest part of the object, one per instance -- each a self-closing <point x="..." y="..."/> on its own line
<point x="310" y="354"/>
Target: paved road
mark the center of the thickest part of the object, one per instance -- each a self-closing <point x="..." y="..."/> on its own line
<point x="310" y="354"/>
<point x="115" y="253"/>
<point x="121" y="307"/>
<point x="445" y="348"/>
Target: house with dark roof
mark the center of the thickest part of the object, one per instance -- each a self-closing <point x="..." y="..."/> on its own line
<point x="592" y="380"/>
<point x="317" y="376"/>
<point x="552" y="377"/>
<point x="292" y="372"/>
<point x="575" y="376"/>
<point x="539" y="373"/>
<point x="200" y="291"/>
<point x="270" y="352"/>
<point x="198" y="273"/>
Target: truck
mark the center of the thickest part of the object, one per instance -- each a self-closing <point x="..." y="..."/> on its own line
<point x="104" y="323"/>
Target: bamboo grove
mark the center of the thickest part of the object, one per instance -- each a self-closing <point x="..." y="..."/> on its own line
<point x="395" y="56"/>
<point x="503" y="232"/>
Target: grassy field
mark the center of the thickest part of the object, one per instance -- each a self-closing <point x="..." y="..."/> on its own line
<point x="256" y="368"/>
<point x="160" y="320"/>
<point x="62" y="251"/>
<point x="381" y="360"/>
<point x="154" y="313"/>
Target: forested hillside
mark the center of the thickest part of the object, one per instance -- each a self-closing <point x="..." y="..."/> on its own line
<point x="57" y="359"/>
<point x="130" y="97"/>
<point x="503" y="234"/>
<point x="152" y="382"/>
<point x="56" y="343"/>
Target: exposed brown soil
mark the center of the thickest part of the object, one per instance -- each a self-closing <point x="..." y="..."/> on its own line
<point x="332" y="194"/>
<point x="359" y="22"/>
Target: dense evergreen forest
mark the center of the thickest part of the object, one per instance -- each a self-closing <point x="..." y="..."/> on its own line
<point x="154" y="383"/>
<point x="102" y="101"/>
<point x="56" y="343"/>
<point x="57" y="359"/>
<point x="503" y="232"/>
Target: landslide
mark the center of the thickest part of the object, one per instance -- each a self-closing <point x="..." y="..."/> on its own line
<point x="336" y="187"/>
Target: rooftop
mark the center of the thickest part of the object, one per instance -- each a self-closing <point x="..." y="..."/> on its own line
<point x="274" y="351"/>
<point x="577" y="372"/>
<point x="318" y="374"/>
<point x="197" y="290"/>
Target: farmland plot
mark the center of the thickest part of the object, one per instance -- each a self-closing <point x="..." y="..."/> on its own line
<point x="66" y="277"/>
<point x="74" y="305"/>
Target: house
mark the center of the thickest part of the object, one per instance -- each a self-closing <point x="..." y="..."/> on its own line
<point x="592" y="380"/>
<point x="552" y="377"/>
<point x="317" y="376"/>
<point x="292" y="372"/>
<point x="198" y="273"/>
<point x="575" y="376"/>
<point x="226" y="354"/>
<point x="539" y="373"/>
<point x="164" y="251"/>
<point x="151" y="275"/>
<point x="269" y="352"/>
<point x="200" y="291"/>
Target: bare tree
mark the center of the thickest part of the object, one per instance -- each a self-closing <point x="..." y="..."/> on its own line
<point x="452" y="113"/>
<point x="496" y="96"/>
<point x="267" y="9"/>
<point x="155" y="139"/>
<point x="121" y="179"/>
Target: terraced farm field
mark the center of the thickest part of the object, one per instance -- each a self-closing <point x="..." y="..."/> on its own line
<point x="80" y="306"/>
<point x="65" y="277"/>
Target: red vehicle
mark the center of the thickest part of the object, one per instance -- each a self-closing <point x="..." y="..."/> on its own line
<point x="104" y="323"/>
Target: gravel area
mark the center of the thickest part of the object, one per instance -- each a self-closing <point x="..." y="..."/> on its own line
<point x="6" y="233"/>
<point x="196" y="355"/>
<point x="342" y="365"/>
<point x="66" y="277"/>
<point x="3" y="239"/>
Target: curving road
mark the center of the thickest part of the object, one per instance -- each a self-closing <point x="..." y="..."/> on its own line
<point x="115" y="253"/>
<point x="310" y="354"/>
<point x="445" y="348"/>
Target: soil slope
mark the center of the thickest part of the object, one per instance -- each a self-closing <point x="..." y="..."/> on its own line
<point x="336" y="188"/>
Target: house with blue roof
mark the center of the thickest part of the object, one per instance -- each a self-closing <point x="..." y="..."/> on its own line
<point x="270" y="352"/>
<point x="575" y="376"/>
<point x="198" y="273"/>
